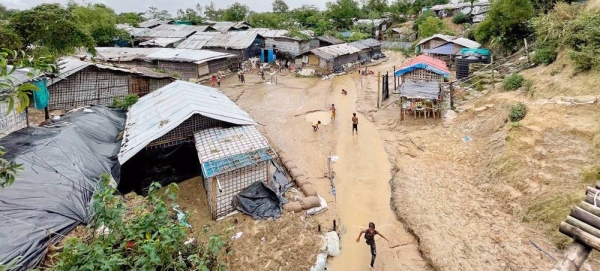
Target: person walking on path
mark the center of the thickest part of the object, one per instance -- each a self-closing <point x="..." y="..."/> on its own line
<point x="243" y="78"/>
<point x="332" y="108"/>
<point x="370" y="239"/>
<point x="354" y="123"/>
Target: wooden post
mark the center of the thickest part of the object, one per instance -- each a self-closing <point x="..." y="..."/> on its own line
<point x="451" y="93"/>
<point x="573" y="258"/>
<point x="527" y="53"/>
<point x="580" y="236"/>
<point x="378" y="88"/>
<point x="214" y="197"/>
<point x="394" y="71"/>
<point x="493" y="81"/>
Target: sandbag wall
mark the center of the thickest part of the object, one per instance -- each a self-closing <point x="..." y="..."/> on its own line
<point x="311" y="199"/>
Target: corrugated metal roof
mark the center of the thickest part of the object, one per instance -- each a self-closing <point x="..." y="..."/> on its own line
<point x="459" y="5"/>
<point x="180" y="27"/>
<point x="232" y="40"/>
<point x="186" y="55"/>
<point x="224" y="27"/>
<point x="124" y="53"/>
<point x="366" y="44"/>
<point x="466" y="43"/>
<point x="375" y="22"/>
<point x="151" y="33"/>
<point x="161" y="111"/>
<point x="161" y="42"/>
<point x="197" y="41"/>
<point x="152" y="22"/>
<point x="403" y="30"/>
<point x="330" y="39"/>
<point x="222" y="150"/>
<point x="133" y="31"/>
<point x="19" y="77"/>
<point x="333" y="51"/>
<point x="440" y="36"/>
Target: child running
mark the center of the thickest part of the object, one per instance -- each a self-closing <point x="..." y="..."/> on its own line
<point x="354" y="123"/>
<point x="370" y="238"/>
<point x="332" y="108"/>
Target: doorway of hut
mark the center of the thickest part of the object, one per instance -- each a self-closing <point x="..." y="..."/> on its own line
<point x="164" y="165"/>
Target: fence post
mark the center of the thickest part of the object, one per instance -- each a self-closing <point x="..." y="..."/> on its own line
<point x="394" y="71"/>
<point x="451" y="94"/>
<point x="378" y="87"/>
<point x="527" y="52"/>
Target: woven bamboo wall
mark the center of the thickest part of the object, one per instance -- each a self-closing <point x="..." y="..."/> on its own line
<point x="185" y="131"/>
<point x="11" y="122"/>
<point x="345" y="59"/>
<point x="88" y="86"/>
<point x="219" y="65"/>
<point x="422" y="75"/>
<point x="232" y="183"/>
<point x="186" y="70"/>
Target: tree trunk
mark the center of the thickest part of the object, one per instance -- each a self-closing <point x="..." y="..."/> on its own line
<point x="590" y="208"/>
<point x="584" y="226"/>
<point x="573" y="258"/>
<point x="585" y="216"/>
<point x="580" y="236"/>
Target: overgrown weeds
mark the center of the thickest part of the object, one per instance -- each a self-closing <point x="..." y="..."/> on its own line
<point x="517" y="112"/>
<point x="126" y="102"/>
<point x="513" y="81"/>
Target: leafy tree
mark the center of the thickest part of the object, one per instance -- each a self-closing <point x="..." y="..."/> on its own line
<point x="432" y="26"/>
<point x="583" y="40"/>
<point x="267" y="20"/>
<point x="306" y="15"/>
<point x="130" y="18"/>
<point x="422" y="18"/>
<point x="9" y="39"/>
<point x="212" y="12"/>
<point x="100" y="22"/>
<point x="51" y="28"/>
<point x="279" y="6"/>
<point x="16" y="96"/>
<point x="375" y="7"/>
<point x="343" y="12"/>
<point x="506" y="24"/>
<point x="236" y="12"/>
<point x="154" y="13"/>
<point x="5" y="13"/>
<point x="460" y="18"/>
<point x="189" y="14"/>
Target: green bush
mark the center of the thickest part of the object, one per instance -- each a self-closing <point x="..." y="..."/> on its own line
<point x="151" y="240"/>
<point x="126" y="102"/>
<point x="460" y="18"/>
<point x="544" y="55"/>
<point x="513" y="81"/>
<point x="517" y="112"/>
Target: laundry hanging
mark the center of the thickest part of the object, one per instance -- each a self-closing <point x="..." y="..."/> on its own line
<point x="42" y="95"/>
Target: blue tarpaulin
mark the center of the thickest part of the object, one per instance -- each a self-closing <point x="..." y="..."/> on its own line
<point x="233" y="162"/>
<point x="422" y="66"/>
<point x="445" y="49"/>
<point x="41" y="96"/>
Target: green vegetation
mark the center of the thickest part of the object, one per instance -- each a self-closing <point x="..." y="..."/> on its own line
<point x="126" y="102"/>
<point x="193" y="15"/>
<point x="517" y="112"/>
<point x="432" y="26"/>
<point x="99" y="21"/>
<point x="513" y="81"/>
<point x="460" y="18"/>
<point x="151" y="240"/>
<point x="506" y="25"/>
<point x="279" y="6"/>
<point x="236" y="12"/>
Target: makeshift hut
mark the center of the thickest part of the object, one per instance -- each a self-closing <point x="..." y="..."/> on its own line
<point x="322" y="41"/>
<point x="232" y="159"/>
<point x="13" y="120"/>
<point x="225" y="27"/>
<point x="152" y="23"/>
<point x="243" y="44"/>
<point x="377" y="26"/>
<point x="420" y="98"/>
<point x="332" y="57"/>
<point x="448" y="51"/>
<point x="82" y="83"/>
<point x="182" y="123"/>
<point x="368" y="49"/>
<point x="432" y="42"/>
<point x="286" y="43"/>
<point x="423" y="68"/>
<point x="405" y="34"/>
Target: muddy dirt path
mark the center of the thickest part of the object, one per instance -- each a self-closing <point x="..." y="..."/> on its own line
<point x="363" y="192"/>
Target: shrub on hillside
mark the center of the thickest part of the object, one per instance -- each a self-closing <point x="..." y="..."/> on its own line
<point x="517" y="112"/>
<point x="460" y="18"/>
<point x="544" y="55"/>
<point x="583" y="41"/>
<point x="513" y="81"/>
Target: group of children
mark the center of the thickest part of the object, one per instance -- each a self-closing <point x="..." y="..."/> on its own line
<point x="315" y="125"/>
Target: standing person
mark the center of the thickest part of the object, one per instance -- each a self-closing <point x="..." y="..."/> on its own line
<point x="315" y="125"/>
<point x="219" y="81"/>
<point x="240" y="75"/>
<point x="243" y="78"/>
<point x="354" y="123"/>
<point x="213" y="80"/>
<point x="370" y="238"/>
<point x="332" y="108"/>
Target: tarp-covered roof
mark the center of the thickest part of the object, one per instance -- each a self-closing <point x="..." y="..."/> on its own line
<point x="221" y="150"/>
<point x="52" y="194"/>
<point x="330" y="40"/>
<point x="424" y="62"/>
<point x="187" y="55"/>
<point x="420" y="90"/>
<point x="156" y="114"/>
<point x="333" y="51"/>
<point x="445" y="49"/>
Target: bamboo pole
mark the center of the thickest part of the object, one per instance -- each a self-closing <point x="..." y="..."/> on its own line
<point x="580" y="236"/>
<point x="378" y="88"/>
<point x="585" y="216"/>
<point x="573" y="258"/>
<point x="583" y="226"/>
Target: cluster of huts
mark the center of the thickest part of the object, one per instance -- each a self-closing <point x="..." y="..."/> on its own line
<point x="419" y="79"/>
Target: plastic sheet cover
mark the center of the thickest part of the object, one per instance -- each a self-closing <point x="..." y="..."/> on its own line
<point x="52" y="195"/>
<point x="261" y="201"/>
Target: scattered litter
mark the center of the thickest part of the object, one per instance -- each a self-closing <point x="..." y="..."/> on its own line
<point x="333" y="244"/>
<point x="189" y="241"/>
<point x="181" y="217"/>
<point x="321" y="264"/>
<point x="334" y="158"/>
<point x="103" y="230"/>
<point x="237" y="235"/>
<point x="467" y="139"/>
<point x="87" y="110"/>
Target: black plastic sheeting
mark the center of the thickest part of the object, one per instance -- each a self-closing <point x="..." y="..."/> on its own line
<point x="52" y="195"/>
<point x="261" y="201"/>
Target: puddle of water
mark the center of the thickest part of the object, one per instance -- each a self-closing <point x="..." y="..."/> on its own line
<point x="323" y="116"/>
